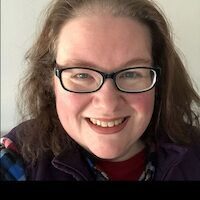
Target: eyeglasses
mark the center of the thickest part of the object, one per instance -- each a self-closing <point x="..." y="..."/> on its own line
<point x="87" y="80"/>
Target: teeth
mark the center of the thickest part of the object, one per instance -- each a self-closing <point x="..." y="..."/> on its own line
<point x="106" y="124"/>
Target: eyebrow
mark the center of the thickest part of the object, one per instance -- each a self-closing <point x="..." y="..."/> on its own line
<point x="138" y="61"/>
<point x="84" y="63"/>
<point x="79" y="63"/>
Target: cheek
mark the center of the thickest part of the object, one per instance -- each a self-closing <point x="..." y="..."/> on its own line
<point x="67" y="103"/>
<point x="143" y="103"/>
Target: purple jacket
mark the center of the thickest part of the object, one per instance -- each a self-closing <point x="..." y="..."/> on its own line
<point x="173" y="162"/>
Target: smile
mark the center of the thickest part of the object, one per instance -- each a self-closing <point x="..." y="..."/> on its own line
<point x="103" y="126"/>
<point x="107" y="123"/>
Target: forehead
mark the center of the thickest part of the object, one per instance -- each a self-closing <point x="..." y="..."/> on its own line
<point x="104" y="40"/>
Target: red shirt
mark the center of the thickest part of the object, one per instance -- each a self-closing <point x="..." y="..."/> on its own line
<point x="128" y="170"/>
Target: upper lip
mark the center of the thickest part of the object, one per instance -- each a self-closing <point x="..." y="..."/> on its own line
<point x="107" y="119"/>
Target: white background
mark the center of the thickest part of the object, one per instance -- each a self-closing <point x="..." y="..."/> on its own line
<point x="19" y="22"/>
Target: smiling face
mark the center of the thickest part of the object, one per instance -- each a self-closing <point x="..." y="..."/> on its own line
<point x="107" y="122"/>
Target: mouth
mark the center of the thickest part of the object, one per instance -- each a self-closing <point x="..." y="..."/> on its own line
<point x="103" y="123"/>
<point x="105" y="126"/>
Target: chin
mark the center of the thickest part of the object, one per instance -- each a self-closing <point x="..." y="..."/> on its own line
<point x="109" y="153"/>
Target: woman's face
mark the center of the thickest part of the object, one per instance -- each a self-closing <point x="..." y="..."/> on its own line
<point x="107" y="44"/>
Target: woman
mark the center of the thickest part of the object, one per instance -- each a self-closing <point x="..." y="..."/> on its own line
<point x="108" y="98"/>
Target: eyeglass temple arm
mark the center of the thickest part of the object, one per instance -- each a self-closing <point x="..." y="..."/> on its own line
<point x="57" y="72"/>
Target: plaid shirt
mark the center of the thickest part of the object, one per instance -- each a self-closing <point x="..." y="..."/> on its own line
<point x="11" y="164"/>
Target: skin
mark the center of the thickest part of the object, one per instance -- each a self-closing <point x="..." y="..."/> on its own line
<point x="108" y="44"/>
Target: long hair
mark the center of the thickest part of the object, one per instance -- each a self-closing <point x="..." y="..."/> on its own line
<point x="175" y="96"/>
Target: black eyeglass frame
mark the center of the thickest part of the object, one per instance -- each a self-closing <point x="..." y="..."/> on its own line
<point x="105" y="76"/>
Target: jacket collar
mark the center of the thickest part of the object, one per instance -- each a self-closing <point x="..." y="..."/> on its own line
<point x="72" y="161"/>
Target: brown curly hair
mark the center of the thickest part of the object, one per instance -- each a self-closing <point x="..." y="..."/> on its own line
<point x="177" y="103"/>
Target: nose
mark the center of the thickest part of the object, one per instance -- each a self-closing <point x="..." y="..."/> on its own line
<point x="108" y="98"/>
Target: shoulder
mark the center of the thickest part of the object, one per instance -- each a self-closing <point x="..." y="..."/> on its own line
<point x="10" y="140"/>
<point x="190" y="163"/>
<point x="175" y="162"/>
<point x="12" y="164"/>
<point x="26" y="126"/>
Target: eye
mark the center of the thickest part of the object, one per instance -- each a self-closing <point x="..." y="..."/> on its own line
<point x="130" y="75"/>
<point x="82" y="76"/>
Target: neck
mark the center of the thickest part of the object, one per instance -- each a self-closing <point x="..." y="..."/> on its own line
<point x="132" y="151"/>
